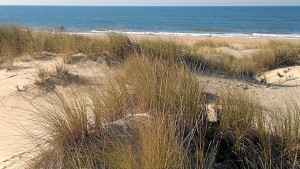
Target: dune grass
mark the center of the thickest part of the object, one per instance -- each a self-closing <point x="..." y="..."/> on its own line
<point x="277" y="54"/>
<point x="153" y="112"/>
<point x="113" y="48"/>
<point x="174" y="100"/>
<point x="13" y="42"/>
<point x="157" y="118"/>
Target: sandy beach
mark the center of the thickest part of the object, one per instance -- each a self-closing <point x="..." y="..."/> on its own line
<point x="18" y="88"/>
<point x="238" y="41"/>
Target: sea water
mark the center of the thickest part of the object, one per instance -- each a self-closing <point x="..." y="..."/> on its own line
<point x="283" y="22"/>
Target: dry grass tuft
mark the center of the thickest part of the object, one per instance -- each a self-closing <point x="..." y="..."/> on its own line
<point x="48" y="79"/>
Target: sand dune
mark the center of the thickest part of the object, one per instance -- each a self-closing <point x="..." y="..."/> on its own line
<point x="18" y="89"/>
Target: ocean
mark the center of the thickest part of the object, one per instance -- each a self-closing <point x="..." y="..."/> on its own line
<point x="281" y="22"/>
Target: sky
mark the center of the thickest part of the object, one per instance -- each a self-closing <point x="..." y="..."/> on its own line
<point x="154" y="2"/>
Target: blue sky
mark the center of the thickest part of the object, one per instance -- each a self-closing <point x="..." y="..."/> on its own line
<point x="154" y="2"/>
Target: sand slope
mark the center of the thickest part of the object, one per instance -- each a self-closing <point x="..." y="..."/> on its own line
<point x="17" y="93"/>
<point x="288" y="76"/>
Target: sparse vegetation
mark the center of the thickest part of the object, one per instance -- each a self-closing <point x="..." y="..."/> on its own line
<point x="48" y="79"/>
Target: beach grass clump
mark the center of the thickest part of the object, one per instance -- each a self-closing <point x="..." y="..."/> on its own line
<point x="14" y="41"/>
<point x="157" y="86"/>
<point x="161" y="147"/>
<point x="278" y="133"/>
<point x="112" y="48"/>
<point x="162" y="49"/>
<point x="170" y="92"/>
<point x="48" y="79"/>
<point x="173" y="52"/>
<point x="251" y="137"/>
<point x="16" y="38"/>
<point x="119" y="47"/>
<point x="150" y="144"/>
<point x="244" y="67"/>
<point x="277" y="54"/>
<point x="64" y="125"/>
<point x="49" y="42"/>
<point x="287" y="127"/>
<point x="64" y="43"/>
<point x="156" y="89"/>
<point x="175" y="101"/>
<point x="198" y="60"/>
<point x="237" y="138"/>
<point x="274" y="55"/>
<point x="237" y="114"/>
<point x="211" y="61"/>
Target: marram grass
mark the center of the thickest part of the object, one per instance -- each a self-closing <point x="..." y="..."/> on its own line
<point x="78" y="128"/>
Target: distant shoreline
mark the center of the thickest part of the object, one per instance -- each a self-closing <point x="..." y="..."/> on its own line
<point x="179" y="34"/>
